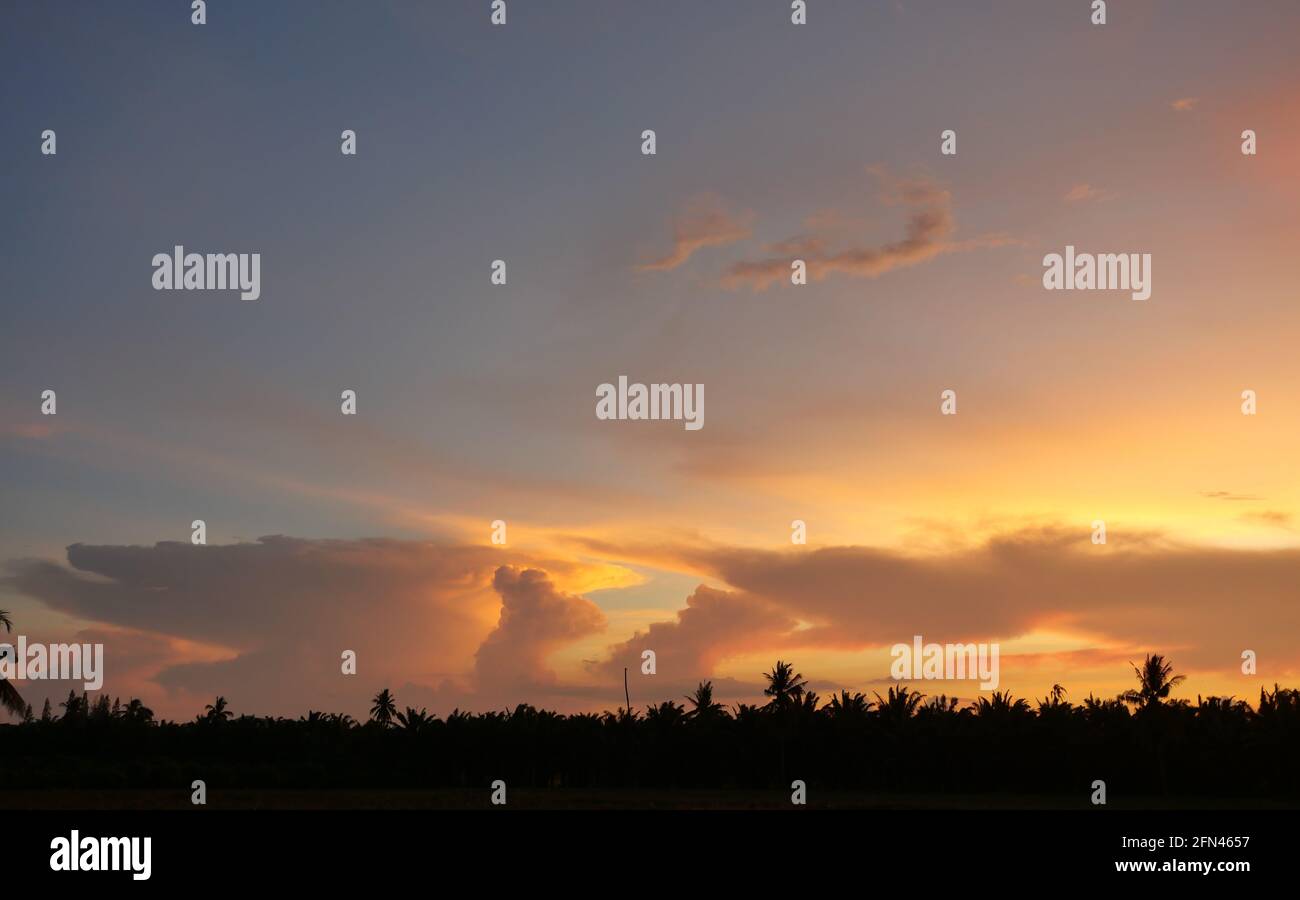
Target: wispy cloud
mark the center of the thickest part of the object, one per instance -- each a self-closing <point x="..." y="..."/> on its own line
<point x="28" y="431"/>
<point x="1273" y="517"/>
<point x="705" y="222"/>
<point x="1185" y="104"/>
<point x="1228" y="495"/>
<point x="1084" y="192"/>
<point x="927" y="234"/>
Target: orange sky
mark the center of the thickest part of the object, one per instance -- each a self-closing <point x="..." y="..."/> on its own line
<point x="823" y="400"/>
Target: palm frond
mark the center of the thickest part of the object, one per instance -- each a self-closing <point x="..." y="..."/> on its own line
<point x="11" y="700"/>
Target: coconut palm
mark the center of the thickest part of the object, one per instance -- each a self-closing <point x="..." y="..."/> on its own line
<point x="702" y="702"/>
<point x="665" y="715"/>
<point x="415" y="721"/>
<point x="938" y="707"/>
<point x="901" y="703"/>
<point x="1055" y="697"/>
<point x="786" y="688"/>
<point x="10" y="699"/>
<point x="784" y="685"/>
<point x="1225" y="717"/>
<point x="135" y="711"/>
<point x="384" y="709"/>
<point x="1097" y="710"/>
<point x="216" y="711"/>
<point x="1001" y="704"/>
<point x="1279" y="704"/>
<point x="1154" y="682"/>
<point x="847" y="706"/>
<point x="74" y="707"/>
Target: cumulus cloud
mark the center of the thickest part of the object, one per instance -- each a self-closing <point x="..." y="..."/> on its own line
<point x="714" y="624"/>
<point x="265" y="623"/>
<point x="1139" y="590"/>
<point x="536" y="619"/>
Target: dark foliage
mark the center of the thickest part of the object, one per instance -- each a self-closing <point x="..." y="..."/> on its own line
<point x="1140" y="743"/>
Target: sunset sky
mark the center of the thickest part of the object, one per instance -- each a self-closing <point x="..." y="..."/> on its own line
<point x="475" y="402"/>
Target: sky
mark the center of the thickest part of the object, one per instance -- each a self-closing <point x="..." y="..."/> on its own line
<point x="475" y="401"/>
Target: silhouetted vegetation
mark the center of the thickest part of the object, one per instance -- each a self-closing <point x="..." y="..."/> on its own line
<point x="1140" y="743"/>
<point x="10" y="699"/>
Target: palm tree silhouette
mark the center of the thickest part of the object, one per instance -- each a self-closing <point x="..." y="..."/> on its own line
<point x="786" y="688"/>
<point x="384" y="709"/>
<point x="702" y="702"/>
<point x="1154" y="682"/>
<point x="938" y="706"/>
<point x="900" y="705"/>
<point x="415" y="721"/>
<point x="216" y="711"/>
<point x="847" y="706"/>
<point x="665" y="715"/>
<point x="135" y="711"/>
<point x="1146" y="739"/>
<point x="10" y="699"/>
<point x="784" y="685"/>
<point x="1278" y="704"/>
<point x="807" y="702"/>
<point x="74" y="707"/>
<point x="1001" y="703"/>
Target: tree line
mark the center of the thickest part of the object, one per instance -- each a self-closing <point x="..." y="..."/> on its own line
<point x="1140" y="742"/>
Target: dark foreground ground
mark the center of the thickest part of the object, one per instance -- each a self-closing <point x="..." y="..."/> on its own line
<point x="525" y="798"/>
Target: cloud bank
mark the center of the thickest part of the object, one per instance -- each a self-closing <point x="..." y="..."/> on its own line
<point x="264" y="623"/>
